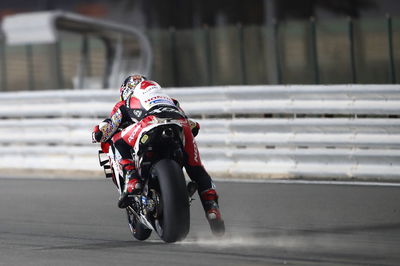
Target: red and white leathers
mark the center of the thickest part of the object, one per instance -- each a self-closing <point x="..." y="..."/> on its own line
<point x="140" y="106"/>
<point x="131" y="133"/>
<point x="146" y="103"/>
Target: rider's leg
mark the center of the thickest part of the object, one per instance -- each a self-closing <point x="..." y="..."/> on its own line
<point x="132" y="184"/>
<point x="206" y="188"/>
<point x="197" y="173"/>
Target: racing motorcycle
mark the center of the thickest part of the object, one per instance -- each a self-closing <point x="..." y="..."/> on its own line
<point x="163" y="205"/>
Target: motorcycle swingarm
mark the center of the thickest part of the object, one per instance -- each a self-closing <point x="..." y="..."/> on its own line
<point x="141" y="218"/>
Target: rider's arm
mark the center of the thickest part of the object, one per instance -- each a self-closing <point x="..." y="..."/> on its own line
<point x="194" y="126"/>
<point x="106" y="129"/>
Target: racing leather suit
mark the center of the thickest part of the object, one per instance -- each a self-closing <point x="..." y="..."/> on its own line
<point x="148" y="102"/>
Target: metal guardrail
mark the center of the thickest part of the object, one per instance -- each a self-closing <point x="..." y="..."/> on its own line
<point x="257" y="131"/>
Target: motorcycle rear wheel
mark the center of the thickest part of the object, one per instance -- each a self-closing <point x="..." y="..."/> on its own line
<point x="174" y="223"/>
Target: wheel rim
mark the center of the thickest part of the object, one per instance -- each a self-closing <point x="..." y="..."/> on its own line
<point x="158" y="215"/>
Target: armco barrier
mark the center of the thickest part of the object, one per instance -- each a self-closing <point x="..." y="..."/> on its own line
<point x="341" y="131"/>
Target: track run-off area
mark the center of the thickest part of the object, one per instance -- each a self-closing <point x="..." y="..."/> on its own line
<point x="50" y="221"/>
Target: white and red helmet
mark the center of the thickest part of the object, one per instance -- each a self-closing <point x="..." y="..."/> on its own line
<point x="129" y="85"/>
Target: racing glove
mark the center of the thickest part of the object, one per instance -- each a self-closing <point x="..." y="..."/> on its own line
<point x="96" y="134"/>
<point x="194" y="126"/>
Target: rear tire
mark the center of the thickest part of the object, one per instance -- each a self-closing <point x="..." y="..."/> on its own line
<point x="174" y="223"/>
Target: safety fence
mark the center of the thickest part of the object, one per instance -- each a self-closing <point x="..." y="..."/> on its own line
<point x="341" y="131"/>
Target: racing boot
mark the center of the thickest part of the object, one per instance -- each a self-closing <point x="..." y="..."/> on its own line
<point x="132" y="185"/>
<point x="209" y="199"/>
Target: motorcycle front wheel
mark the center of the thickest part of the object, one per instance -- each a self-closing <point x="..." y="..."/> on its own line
<point x="174" y="222"/>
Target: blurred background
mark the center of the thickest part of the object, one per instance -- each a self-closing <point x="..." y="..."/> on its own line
<point x="220" y="42"/>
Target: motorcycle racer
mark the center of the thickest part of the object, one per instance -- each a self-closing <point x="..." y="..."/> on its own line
<point x="141" y="101"/>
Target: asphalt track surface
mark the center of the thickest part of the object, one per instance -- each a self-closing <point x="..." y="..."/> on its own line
<point x="76" y="222"/>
